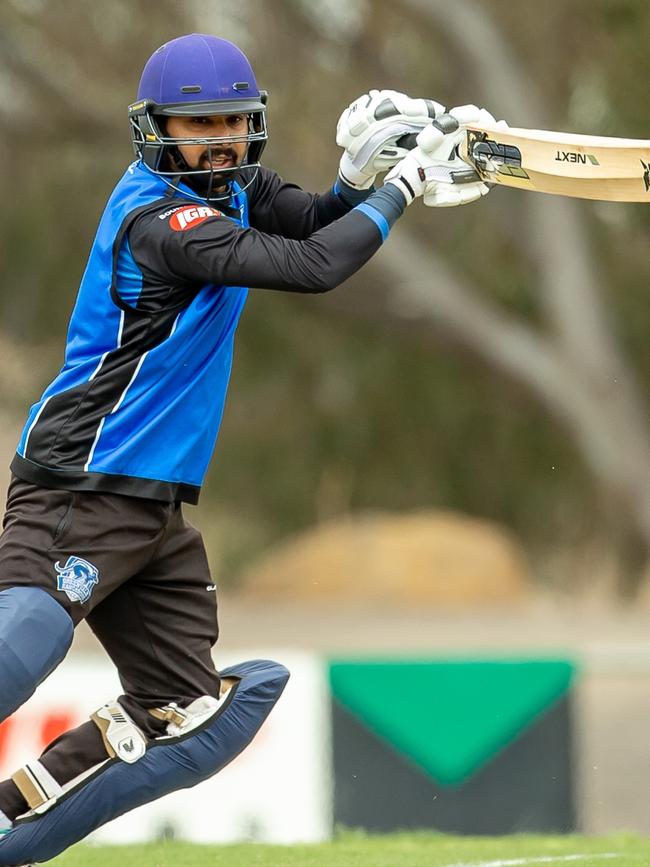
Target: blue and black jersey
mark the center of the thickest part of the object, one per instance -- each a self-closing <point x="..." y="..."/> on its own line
<point x="137" y="406"/>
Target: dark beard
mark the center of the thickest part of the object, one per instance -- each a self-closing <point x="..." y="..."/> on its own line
<point x="211" y="185"/>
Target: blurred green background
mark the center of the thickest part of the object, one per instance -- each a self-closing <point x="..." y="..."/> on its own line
<point x="492" y="359"/>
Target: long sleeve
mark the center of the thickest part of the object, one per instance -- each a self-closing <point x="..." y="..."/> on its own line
<point x="281" y="208"/>
<point x="215" y="249"/>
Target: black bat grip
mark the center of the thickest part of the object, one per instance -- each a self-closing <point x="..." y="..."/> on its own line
<point x="408" y="141"/>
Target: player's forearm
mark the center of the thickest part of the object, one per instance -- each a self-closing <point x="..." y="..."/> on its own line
<point x="350" y="196"/>
<point x="280" y="208"/>
<point x="328" y="207"/>
<point x="323" y="261"/>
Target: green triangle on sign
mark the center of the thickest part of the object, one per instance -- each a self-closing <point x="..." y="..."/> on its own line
<point x="449" y="717"/>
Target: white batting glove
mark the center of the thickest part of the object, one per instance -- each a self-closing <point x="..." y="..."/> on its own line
<point x="460" y="189"/>
<point x="434" y="170"/>
<point x="471" y="114"/>
<point x="370" y="127"/>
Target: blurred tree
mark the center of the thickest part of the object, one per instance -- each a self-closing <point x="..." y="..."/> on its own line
<point x="568" y="357"/>
<point x="574" y="365"/>
<point x="355" y="400"/>
<point x="67" y="72"/>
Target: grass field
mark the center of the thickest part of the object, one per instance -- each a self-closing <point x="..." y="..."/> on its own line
<point x="400" y="850"/>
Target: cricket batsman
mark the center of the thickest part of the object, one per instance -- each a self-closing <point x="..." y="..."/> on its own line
<point x="123" y="436"/>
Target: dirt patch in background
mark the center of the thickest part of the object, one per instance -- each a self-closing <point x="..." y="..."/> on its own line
<point x="425" y="557"/>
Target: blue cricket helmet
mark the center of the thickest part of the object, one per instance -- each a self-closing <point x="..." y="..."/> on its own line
<point x="191" y="76"/>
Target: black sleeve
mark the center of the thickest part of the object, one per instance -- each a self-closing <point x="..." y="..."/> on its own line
<point x="175" y="246"/>
<point x="279" y="208"/>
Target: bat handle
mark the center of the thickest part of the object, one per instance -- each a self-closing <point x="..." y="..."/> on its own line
<point x="408" y="141"/>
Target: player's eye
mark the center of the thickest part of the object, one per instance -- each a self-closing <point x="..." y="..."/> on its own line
<point x="235" y="120"/>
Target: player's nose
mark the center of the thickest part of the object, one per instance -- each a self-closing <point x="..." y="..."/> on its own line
<point x="220" y="128"/>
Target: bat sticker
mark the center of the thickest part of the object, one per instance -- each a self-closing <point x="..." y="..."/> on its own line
<point x="573" y="157"/>
<point x="492" y="157"/>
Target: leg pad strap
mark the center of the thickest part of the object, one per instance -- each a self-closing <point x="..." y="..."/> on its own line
<point x="37" y="786"/>
<point x="122" y="738"/>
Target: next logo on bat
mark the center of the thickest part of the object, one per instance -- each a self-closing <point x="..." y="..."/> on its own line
<point x="572" y="157"/>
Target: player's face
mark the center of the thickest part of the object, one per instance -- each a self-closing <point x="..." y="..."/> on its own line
<point x="224" y="155"/>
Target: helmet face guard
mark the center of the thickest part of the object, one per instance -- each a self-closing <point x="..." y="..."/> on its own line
<point x="155" y="147"/>
<point x="197" y="76"/>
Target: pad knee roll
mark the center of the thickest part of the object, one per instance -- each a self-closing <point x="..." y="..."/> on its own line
<point x="35" y="634"/>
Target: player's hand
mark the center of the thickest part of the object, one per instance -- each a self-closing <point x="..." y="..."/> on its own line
<point x="434" y="170"/>
<point x="472" y="114"/>
<point x="462" y="190"/>
<point x="467" y="115"/>
<point x="370" y="127"/>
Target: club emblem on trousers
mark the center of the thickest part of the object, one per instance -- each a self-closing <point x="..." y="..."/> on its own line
<point x="77" y="578"/>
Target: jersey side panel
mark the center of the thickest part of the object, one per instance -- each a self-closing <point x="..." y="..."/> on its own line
<point x="99" y="361"/>
<point x="178" y="392"/>
<point x="181" y="389"/>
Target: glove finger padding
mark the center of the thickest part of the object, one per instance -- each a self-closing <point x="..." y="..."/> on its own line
<point x="370" y="128"/>
<point x="458" y="184"/>
<point x="379" y="109"/>
<point x="472" y="114"/>
<point x="434" y="166"/>
<point x="440" y="139"/>
<point x="440" y="195"/>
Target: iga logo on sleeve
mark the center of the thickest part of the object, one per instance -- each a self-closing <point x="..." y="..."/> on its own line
<point x="192" y="215"/>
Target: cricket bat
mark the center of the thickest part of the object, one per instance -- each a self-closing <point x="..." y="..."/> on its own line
<point x="564" y="164"/>
<point x="587" y="167"/>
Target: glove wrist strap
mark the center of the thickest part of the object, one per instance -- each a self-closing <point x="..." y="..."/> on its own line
<point x="404" y="187"/>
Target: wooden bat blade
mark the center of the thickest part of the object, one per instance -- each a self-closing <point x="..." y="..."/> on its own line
<point x="586" y="167"/>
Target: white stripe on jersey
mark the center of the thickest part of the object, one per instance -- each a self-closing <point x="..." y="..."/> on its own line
<point x="130" y="383"/>
<point x="92" y="450"/>
<point x="36" y="418"/>
<point x="123" y="395"/>
<point x="119" y="343"/>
